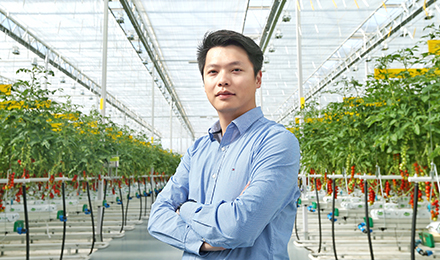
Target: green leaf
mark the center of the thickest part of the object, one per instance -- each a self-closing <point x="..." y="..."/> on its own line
<point x="417" y="129"/>
<point x="394" y="137"/>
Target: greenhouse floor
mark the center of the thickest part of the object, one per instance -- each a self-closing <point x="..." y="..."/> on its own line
<point x="139" y="244"/>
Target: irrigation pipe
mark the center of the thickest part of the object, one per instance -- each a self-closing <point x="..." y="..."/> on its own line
<point x="91" y="216"/>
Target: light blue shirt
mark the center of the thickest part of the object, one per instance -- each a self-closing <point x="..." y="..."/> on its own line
<point x="252" y="224"/>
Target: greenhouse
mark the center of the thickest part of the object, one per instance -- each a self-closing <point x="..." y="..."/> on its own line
<point x="119" y="137"/>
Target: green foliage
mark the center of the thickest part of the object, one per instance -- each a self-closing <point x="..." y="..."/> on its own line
<point x="46" y="137"/>
<point x="393" y="124"/>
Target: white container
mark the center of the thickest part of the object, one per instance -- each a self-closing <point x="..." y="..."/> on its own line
<point x="30" y="208"/>
<point x="9" y="217"/>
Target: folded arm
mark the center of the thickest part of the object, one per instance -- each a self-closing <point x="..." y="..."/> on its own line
<point x="164" y="223"/>
<point x="238" y="223"/>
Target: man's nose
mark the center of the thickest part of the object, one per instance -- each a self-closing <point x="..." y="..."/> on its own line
<point x="223" y="80"/>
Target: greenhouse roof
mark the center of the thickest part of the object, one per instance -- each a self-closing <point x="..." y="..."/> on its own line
<point x="153" y="43"/>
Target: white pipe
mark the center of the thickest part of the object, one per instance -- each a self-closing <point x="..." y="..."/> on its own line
<point x="152" y="105"/>
<point x="46" y="67"/>
<point x="104" y="58"/>
<point x="299" y="54"/>
<point x="315" y="175"/>
<point x="421" y="179"/>
<point x="171" y="126"/>
<point x="104" y="98"/>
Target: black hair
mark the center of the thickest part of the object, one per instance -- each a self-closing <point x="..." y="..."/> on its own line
<point x="225" y="38"/>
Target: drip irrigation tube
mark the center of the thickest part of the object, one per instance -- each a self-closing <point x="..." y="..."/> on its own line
<point x="26" y="220"/>
<point x="414" y="220"/>
<point x="122" y="209"/>
<point x="103" y="209"/>
<point x="91" y="217"/>
<point x="367" y="220"/>
<point x="296" y="228"/>
<point x="319" y="217"/>
<point x="128" y="201"/>
<point x="140" y="199"/>
<point x="64" y="222"/>
<point x="333" y="219"/>
<point x="146" y="195"/>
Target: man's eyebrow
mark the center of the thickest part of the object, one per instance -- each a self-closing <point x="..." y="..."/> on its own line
<point x="214" y="65"/>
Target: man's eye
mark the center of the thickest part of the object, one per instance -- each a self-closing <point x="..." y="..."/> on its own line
<point x="211" y="71"/>
<point x="237" y="70"/>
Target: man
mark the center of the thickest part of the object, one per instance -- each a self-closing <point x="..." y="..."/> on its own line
<point x="234" y="193"/>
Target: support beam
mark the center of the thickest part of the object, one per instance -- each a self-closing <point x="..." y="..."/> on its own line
<point x="103" y="105"/>
<point x="171" y="127"/>
<point x="104" y="60"/>
<point x="144" y="37"/>
<point x="410" y="10"/>
<point x="245" y="16"/>
<point x="4" y="80"/>
<point x="19" y="33"/>
<point x="299" y="54"/>
<point x="152" y="105"/>
<point x="275" y="12"/>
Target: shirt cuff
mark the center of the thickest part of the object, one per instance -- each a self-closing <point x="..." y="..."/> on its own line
<point x="188" y="210"/>
<point x="193" y="242"/>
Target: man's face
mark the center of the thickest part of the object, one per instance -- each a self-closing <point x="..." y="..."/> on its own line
<point x="229" y="81"/>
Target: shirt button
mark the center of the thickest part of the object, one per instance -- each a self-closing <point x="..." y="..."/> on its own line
<point x="213" y="176"/>
<point x="223" y="149"/>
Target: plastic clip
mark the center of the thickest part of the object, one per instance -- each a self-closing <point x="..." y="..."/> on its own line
<point x="21" y="230"/>
<point x="330" y="217"/>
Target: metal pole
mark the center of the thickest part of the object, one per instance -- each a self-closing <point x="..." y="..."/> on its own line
<point x="414" y="220"/>
<point x="304" y="209"/>
<point x="181" y="131"/>
<point x="152" y="105"/>
<point x="300" y="98"/>
<point x="104" y="60"/>
<point x="102" y="103"/>
<point x="299" y="55"/>
<point x="366" y="62"/>
<point x="171" y="126"/>
<point x="153" y="185"/>
<point x="46" y="67"/>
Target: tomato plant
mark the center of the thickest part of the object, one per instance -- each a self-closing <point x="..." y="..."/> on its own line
<point x="41" y="137"/>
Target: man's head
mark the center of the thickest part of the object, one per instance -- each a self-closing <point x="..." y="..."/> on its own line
<point x="230" y="64"/>
<point x="223" y="38"/>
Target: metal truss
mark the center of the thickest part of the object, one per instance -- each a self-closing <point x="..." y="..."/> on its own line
<point x="271" y="22"/>
<point x="18" y="32"/>
<point x="4" y="80"/>
<point x="410" y="10"/>
<point x="168" y="89"/>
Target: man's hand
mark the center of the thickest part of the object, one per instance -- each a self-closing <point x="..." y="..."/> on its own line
<point x="207" y="247"/>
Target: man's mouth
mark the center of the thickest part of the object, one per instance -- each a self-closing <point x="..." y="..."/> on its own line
<point x="224" y="94"/>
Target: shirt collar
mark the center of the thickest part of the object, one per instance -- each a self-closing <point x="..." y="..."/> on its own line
<point x="215" y="132"/>
<point x="242" y="123"/>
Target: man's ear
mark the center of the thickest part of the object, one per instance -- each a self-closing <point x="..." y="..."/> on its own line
<point x="258" y="79"/>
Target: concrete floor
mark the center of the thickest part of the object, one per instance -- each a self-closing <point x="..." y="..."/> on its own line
<point x="138" y="244"/>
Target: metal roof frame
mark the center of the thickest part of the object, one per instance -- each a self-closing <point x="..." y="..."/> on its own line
<point x="134" y="16"/>
<point x="409" y="12"/>
<point x="21" y="35"/>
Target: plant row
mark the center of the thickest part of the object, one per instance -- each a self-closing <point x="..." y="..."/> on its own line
<point x="389" y="122"/>
<point x="40" y="137"/>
